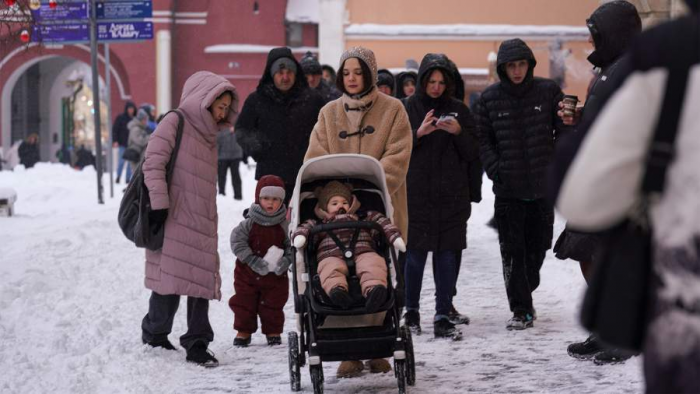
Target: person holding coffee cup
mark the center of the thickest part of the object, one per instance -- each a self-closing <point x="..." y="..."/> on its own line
<point x="613" y="27"/>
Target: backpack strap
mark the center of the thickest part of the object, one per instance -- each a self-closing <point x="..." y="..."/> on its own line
<point x="662" y="149"/>
<point x="178" y="138"/>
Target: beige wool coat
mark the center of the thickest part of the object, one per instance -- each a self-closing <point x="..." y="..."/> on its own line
<point x="390" y="142"/>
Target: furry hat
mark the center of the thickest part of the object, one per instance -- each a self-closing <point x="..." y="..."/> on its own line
<point x="332" y="189"/>
<point x="366" y="56"/>
<point x="270" y="186"/>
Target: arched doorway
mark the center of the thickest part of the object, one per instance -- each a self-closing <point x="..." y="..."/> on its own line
<point x="52" y="97"/>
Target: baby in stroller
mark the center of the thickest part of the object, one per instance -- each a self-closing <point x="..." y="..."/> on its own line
<point x="336" y="203"/>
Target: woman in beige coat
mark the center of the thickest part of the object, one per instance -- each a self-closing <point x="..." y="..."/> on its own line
<point x="366" y="121"/>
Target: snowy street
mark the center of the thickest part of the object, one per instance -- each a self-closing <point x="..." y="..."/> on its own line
<point x="72" y="299"/>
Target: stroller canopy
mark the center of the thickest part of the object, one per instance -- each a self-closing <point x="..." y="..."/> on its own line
<point x="339" y="166"/>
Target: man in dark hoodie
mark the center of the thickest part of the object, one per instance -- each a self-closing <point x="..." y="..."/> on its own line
<point x="314" y="77"/>
<point x="517" y="124"/>
<point x="613" y="27"/>
<point x="276" y="121"/>
<point x="120" y="137"/>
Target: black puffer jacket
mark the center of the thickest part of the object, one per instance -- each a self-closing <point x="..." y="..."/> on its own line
<point x="613" y="27"/>
<point x="438" y="180"/>
<point x="274" y="127"/>
<point x="517" y="126"/>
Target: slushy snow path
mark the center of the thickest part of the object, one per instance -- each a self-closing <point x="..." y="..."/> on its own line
<point x="72" y="299"/>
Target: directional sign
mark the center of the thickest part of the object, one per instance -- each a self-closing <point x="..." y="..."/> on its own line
<point x="61" y="33"/>
<point x="121" y="10"/>
<point x="80" y="32"/>
<point x="65" y="11"/>
<point x="124" y="31"/>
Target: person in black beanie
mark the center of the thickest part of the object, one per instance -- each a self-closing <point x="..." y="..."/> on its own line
<point x="314" y="76"/>
<point x="385" y="81"/>
<point x="276" y="121"/>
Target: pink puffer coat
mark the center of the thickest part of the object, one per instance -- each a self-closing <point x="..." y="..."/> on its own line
<point x="188" y="264"/>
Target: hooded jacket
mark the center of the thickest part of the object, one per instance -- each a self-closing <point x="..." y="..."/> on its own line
<point x="188" y="263"/>
<point x="439" y="178"/>
<point x="385" y="77"/>
<point x="614" y="26"/>
<point x="400" y="79"/>
<point x="389" y="141"/>
<point x="517" y="126"/>
<point x="120" y="129"/>
<point x="274" y="126"/>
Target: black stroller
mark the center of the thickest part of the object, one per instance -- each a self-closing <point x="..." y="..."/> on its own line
<point x="324" y="331"/>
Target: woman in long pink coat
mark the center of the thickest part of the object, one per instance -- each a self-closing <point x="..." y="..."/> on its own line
<point x="188" y="263"/>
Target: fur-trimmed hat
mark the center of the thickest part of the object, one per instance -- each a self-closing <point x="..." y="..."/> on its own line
<point x="270" y="186"/>
<point x="332" y="189"/>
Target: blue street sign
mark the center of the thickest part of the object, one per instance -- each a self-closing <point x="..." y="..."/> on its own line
<point x="124" y="31"/>
<point x="64" y="11"/>
<point x="121" y="10"/>
<point x="80" y="32"/>
<point x="61" y="33"/>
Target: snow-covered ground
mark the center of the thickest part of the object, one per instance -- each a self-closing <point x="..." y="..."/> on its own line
<point x="72" y="300"/>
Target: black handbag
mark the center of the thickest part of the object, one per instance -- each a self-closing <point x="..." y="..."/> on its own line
<point x="135" y="206"/>
<point x="130" y="154"/>
<point x="619" y="298"/>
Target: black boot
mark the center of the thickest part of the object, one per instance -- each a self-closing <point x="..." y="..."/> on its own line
<point x="376" y="296"/>
<point x="117" y="180"/>
<point x="612" y="356"/>
<point x="444" y="329"/>
<point x="456" y="317"/>
<point x="340" y="297"/>
<point x="412" y="321"/>
<point x="165" y="344"/>
<point x="200" y="355"/>
<point x="241" y="342"/>
<point x="274" y="340"/>
<point x="586" y="349"/>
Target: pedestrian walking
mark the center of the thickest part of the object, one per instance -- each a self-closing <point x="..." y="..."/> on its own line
<point x="230" y="156"/>
<point x="314" y="77"/>
<point x="29" y="151"/>
<point x="120" y="138"/>
<point x="517" y="126"/>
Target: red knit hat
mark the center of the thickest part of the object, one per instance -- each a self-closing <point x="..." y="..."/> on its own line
<point x="269" y="186"/>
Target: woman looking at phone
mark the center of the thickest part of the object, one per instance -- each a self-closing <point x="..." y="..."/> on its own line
<point x="439" y="195"/>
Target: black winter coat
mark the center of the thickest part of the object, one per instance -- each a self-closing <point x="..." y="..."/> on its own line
<point x="274" y="127"/>
<point x="439" y="182"/>
<point x="613" y="27"/>
<point x="328" y="92"/>
<point x="517" y="126"/>
<point x="28" y="154"/>
<point x="120" y="129"/>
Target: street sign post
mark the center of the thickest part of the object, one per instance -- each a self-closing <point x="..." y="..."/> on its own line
<point x="93" y="21"/>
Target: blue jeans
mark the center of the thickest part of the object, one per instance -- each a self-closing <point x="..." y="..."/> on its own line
<point x="120" y="166"/>
<point x="444" y="274"/>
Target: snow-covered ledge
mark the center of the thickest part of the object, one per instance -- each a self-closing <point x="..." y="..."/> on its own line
<point x="248" y="48"/>
<point x="464" y="32"/>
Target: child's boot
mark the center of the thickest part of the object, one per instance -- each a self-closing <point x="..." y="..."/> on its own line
<point x="350" y="369"/>
<point x="340" y="297"/>
<point x="379" y="365"/>
<point x="274" y="340"/>
<point x="241" y="340"/>
<point x="375" y="298"/>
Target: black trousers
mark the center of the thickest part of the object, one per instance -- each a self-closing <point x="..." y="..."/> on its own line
<point x="525" y="229"/>
<point x="224" y="166"/>
<point x="158" y="322"/>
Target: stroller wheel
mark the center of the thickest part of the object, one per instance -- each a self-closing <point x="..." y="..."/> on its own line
<point x="317" y="378"/>
<point x="294" y="365"/>
<point x="400" y="372"/>
<point x="410" y="356"/>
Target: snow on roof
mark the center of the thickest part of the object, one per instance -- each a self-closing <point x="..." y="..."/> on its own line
<point x="303" y="11"/>
<point x="248" y="48"/>
<point x="463" y="71"/>
<point x="463" y="31"/>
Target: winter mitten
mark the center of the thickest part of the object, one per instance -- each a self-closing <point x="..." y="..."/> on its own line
<point x="400" y="245"/>
<point x="260" y="266"/>
<point x="282" y="267"/>
<point x="299" y="241"/>
<point x="273" y="256"/>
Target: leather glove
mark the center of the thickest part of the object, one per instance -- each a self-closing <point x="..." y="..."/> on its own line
<point x="158" y="216"/>
<point x="299" y="241"/>
<point x="400" y="245"/>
